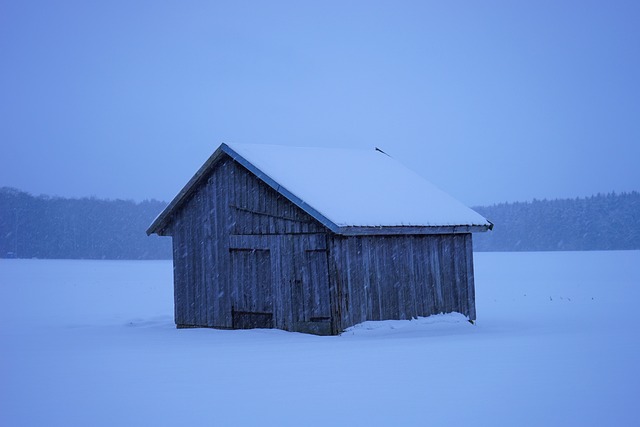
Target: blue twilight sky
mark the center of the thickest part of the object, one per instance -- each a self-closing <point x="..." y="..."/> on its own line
<point x="491" y="101"/>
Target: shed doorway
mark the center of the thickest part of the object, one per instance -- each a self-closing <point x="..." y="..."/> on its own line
<point x="310" y="293"/>
<point x="252" y="297"/>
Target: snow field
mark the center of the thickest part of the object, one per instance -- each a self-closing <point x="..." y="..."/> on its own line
<point x="93" y="343"/>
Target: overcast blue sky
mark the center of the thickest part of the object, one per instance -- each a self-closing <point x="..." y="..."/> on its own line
<point x="491" y="101"/>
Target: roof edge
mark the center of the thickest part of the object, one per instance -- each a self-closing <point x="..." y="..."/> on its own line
<point x="281" y="190"/>
<point x="415" y="230"/>
<point x="160" y="222"/>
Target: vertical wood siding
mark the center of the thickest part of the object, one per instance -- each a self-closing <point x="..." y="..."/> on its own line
<point x="246" y="256"/>
<point x="240" y="247"/>
<point x="400" y="277"/>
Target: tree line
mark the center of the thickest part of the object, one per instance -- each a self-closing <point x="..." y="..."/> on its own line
<point x="90" y="228"/>
<point x="87" y="228"/>
<point x="601" y="222"/>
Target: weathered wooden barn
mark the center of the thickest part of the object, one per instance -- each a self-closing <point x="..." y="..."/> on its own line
<point x="315" y="240"/>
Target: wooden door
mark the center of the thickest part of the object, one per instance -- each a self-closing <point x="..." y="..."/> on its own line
<point x="315" y="285"/>
<point x="310" y="288"/>
<point x="252" y="293"/>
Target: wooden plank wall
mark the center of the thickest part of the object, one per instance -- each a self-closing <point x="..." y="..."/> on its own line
<point x="224" y="233"/>
<point x="314" y="274"/>
<point x="400" y="277"/>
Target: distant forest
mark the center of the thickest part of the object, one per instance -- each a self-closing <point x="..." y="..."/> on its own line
<point x="90" y="228"/>
<point x="601" y="222"/>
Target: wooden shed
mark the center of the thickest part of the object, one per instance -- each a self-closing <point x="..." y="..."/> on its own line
<point x="315" y="240"/>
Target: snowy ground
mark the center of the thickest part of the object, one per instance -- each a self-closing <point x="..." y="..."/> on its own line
<point x="92" y="343"/>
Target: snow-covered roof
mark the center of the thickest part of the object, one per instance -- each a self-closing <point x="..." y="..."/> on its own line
<point x="347" y="189"/>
